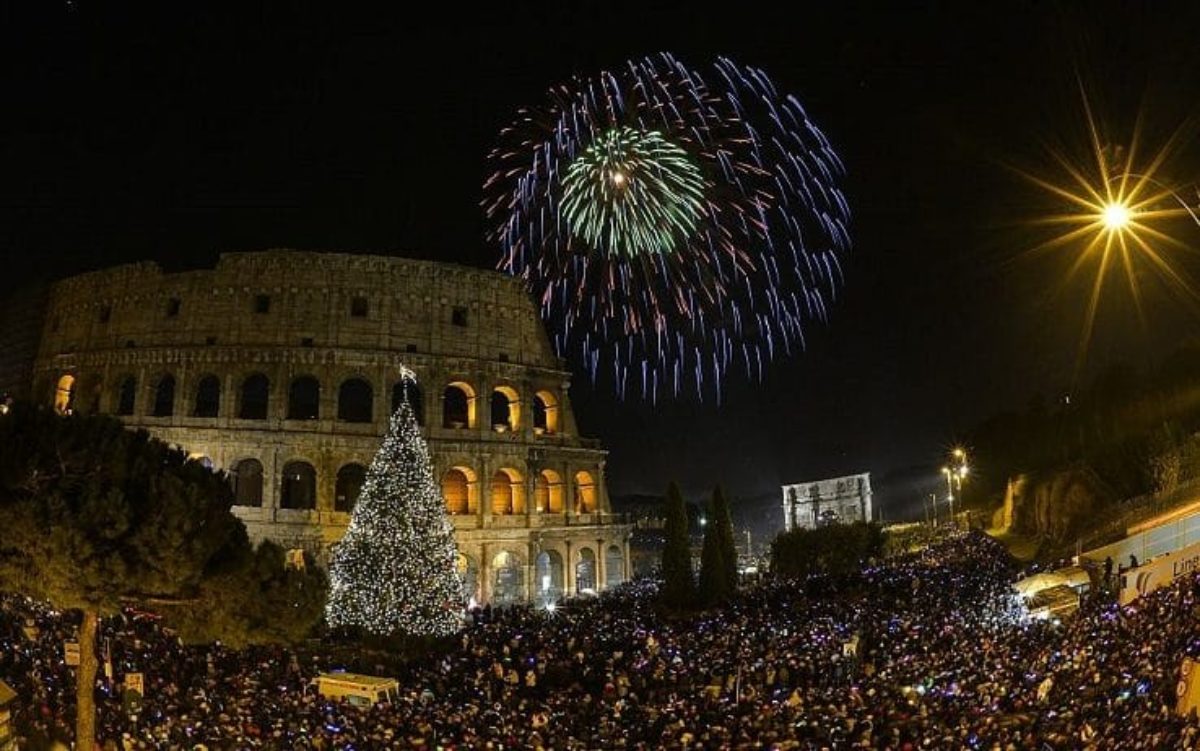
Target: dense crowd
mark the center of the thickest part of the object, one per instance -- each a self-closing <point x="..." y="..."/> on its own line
<point x="927" y="651"/>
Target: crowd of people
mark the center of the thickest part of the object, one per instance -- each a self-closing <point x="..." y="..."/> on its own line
<point x="925" y="651"/>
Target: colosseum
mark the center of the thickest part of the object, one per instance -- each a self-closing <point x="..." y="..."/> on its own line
<point x="283" y="367"/>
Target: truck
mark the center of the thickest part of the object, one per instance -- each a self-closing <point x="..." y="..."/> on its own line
<point x="357" y="689"/>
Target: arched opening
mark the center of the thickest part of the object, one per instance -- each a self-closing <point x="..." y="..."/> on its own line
<point x="506" y="409"/>
<point x="163" y="404"/>
<point x="585" y="571"/>
<point x="350" y="480"/>
<point x="585" y="493"/>
<point x="460" y="491"/>
<point x="126" y="396"/>
<point x="549" y="573"/>
<point x="545" y="413"/>
<point x="408" y="390"/>
<point x="208" y="397"/>
<point x="304" y="399"/>
<point x="548" y="488"/>
<point x="256" y="391"/>
<point x="508" y="492"/>
<point x="298" y="488"/>
<point x="88" y="393"/>
<point x="468" y="574"/>
<point x="614" y="567"/>
<point x="248" y="483"/>
<point x="355" y="401"/>
<point x="508" y="584"/>
<point x="458" y="406"/>
<point x="64" y="394"/>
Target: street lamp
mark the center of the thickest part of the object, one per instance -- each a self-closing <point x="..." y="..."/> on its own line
<point x="1116" y="216"/>
<point x="949" y="490"/>
<point x="955" y="473"/>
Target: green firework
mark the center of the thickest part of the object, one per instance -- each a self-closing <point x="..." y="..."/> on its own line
<point x="632" y="192"/>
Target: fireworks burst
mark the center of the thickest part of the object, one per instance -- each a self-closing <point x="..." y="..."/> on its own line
<point x="671" y="222"/>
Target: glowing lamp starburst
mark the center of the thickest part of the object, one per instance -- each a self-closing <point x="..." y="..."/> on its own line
<point x="1120" y="213"/>
<point x="1116" y="216"/>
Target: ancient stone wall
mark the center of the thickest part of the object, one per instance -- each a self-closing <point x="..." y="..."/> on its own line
<point x="282" y="368"/>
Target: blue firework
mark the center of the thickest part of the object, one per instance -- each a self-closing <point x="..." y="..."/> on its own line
<point x="673" y="223"/>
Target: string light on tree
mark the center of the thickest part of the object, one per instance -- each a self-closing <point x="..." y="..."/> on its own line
<point x="394" y="571"/>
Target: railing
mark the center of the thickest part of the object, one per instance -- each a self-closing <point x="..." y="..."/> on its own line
<point x="1117" y="521"/>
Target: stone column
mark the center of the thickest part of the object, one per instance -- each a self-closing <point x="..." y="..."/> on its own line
<point x="531" y="512"/>
<point x="227" y="407"/>
<point x="483" y="491"/>
<point x="601" y="490"/>
<point x="533" y="586"/>
<point x="601" y="572"/>
<point x="570" y="502"/>
<point x="569" y="571"/>
<point x="485" y="574"/>
<point x="628" y="573"/>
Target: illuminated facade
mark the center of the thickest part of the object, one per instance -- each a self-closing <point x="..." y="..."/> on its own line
<point x="282" y="368"/>
<point x="839" y="500"/>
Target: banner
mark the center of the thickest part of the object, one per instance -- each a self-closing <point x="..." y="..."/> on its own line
<point x="1187" y="692"/>
<point x="1159" y="572"/>
<point x="71" y="653"/>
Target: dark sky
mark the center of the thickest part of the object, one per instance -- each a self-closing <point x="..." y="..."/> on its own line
<point x="178" y="136"/>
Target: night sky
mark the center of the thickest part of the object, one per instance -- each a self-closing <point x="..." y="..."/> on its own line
<point x="174" y="138"/>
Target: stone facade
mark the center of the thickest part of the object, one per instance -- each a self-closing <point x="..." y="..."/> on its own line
<point x="838" y="500"/>
<point x="283" y="367"/>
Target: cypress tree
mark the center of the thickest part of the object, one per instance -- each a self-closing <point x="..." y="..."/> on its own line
<point x="721" y="518"/>
<point x="678" y="588"/>
<point x="714" y="584"/>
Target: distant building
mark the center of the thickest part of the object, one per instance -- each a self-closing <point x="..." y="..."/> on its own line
<point x="818" y="503"/>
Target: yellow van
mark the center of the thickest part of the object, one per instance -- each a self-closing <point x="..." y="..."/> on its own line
<point x="359" y="690"/>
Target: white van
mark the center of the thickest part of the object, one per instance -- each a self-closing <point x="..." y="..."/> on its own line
<point x="359" y="690"/>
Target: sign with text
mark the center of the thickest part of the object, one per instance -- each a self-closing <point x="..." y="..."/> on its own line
<point x="1159" y="572"/>
<point x="135" y="682"/>
<point x="71" y="653"/>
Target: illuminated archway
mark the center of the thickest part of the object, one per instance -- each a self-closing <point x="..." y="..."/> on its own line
<point x="585" y="493"/>
<point x="506" y="409"/>
<point x="545" y="413"/>
<point x="458" y="406"/>
<point x="64" y="394"/>
<point x="585" y="571"/>
<point x="508" y="578"/>
<point x="614" y="566"/>
<point x="549" y="575"/>
<point x="508" y="492"/>
<point x="467" y="569"/>
<point x="460" y="490"/>
<point x="548" y="489"/>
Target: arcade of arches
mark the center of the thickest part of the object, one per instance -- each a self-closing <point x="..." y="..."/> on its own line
<point x="510" y="574"/>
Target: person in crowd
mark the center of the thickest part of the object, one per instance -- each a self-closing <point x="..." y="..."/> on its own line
<point x="926" y="651"/>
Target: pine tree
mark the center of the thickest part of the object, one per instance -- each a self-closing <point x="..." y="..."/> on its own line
<point x="714" y="584"/>
<point x="723" y="521"/>
<point x="678" y="587"/>
<point x="96" y="517"/>
<point x="394" y="571"/>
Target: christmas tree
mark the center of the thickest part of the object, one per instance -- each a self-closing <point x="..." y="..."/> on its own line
<point x="394" y="571"/>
